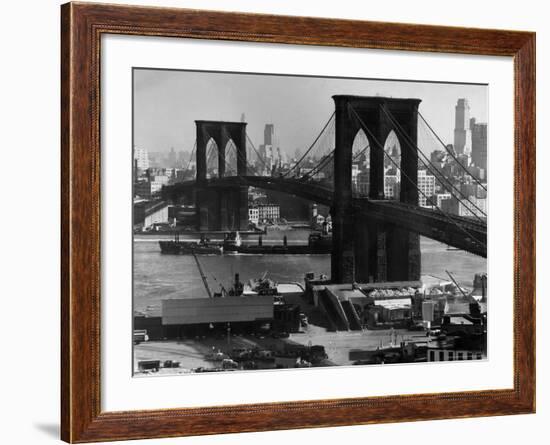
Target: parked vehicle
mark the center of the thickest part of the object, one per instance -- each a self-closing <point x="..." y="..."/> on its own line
<point x="140" y="335"/>
<point x="228" y="363"/>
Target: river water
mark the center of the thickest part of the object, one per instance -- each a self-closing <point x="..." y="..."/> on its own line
<point x="158" y="276"/>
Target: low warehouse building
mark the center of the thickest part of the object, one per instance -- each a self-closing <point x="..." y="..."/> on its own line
<point x="217" y="310"/>
<point x="199" y="315"/>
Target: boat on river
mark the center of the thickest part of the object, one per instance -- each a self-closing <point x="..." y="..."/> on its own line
<point x="178" y="247"/>
<point x="318" y="243"/>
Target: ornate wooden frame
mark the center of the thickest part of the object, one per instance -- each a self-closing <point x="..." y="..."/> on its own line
<point x="81" y="28"/>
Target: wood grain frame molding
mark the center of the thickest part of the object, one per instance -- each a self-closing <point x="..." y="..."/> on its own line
<point x="82" y="26"/>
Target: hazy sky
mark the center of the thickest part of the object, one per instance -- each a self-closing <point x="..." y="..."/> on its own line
<point x="166" y="104"/>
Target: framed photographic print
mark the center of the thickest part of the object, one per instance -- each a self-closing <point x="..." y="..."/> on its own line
<point x="276" y="222"/>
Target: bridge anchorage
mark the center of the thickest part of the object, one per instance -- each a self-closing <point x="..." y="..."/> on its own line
<point x="374" y="239"/>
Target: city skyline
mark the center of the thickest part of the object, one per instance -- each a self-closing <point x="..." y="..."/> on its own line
<point x="296" y="106"/>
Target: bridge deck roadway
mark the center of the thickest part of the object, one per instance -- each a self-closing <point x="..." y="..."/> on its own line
<point x="460" y="232"/>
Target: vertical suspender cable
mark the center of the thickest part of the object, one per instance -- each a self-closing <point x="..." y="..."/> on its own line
<point x="377" y="143"/>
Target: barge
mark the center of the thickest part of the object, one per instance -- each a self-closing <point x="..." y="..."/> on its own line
<point x="317" y="244"/>
<point x="177" y="247"/>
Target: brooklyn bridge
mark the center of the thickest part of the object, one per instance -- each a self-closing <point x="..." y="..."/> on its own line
<point x="374" y="238"/>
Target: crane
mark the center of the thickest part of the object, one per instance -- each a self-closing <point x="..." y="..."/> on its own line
<point x="203" y="276"/>
<point x="456" y="284"/>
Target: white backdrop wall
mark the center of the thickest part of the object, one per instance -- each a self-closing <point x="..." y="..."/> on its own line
<point x="29" y="227"/>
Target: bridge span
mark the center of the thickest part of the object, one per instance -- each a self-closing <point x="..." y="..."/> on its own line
<point x="426" y="222"/>
<point x="373" y="239"/>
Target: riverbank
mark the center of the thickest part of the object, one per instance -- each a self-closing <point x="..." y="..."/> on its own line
<point x="158" y="276"/>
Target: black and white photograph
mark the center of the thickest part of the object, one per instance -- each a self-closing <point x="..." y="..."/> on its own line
<point x="285" y="221"/>
<point x="270" y="222"/>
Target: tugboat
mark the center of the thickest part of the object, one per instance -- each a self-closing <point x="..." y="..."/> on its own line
<point x="321" y="242"/>
<point x="260" y="286"/>
<point x="177" y="247"/>
<point x="264" y="286"/>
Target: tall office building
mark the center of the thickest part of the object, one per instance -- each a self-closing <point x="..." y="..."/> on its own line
<point x="463" y="135"/>
<point x="479" y="143"/>
<point x="172" y="158"/>
<point x="269" y="134"/>
<point x="269" y="160"/>
<point x="141" y="158"/>
<point x="426" y="183"/>
<point x="392" y="187"/>
<point x="269" y="149"/>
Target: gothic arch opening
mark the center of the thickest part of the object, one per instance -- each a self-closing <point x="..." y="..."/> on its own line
<point x="230" y="158"/>
<point x="212" y="167"/>
<point x="360" y="167"/>
<point x="392" y="165"/>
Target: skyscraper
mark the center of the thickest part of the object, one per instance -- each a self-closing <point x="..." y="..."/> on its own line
<point x="269" y="132"/>
<point x="269" y="148"/>
<point x="479" y="143"/>
<point x="172" y="158"/>
<point x="463" y="135"/>
<point x="141" y="156"/>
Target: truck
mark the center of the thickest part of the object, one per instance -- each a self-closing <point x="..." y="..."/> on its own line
<point x="140" y="335"/>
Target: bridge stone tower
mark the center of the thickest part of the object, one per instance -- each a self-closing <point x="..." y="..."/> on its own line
<point x="227" y="208"/>
<point x="365" y="250"/>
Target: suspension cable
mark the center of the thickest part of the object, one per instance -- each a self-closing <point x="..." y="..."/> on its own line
<point x="191" y="156"/>
<point x="448" y="216"/>
<point x="312" y="145"/>
<point x="433" y="168"/>
<point x="227" y="156"/>
<point x="209" y="155"/>
<point x="377" y="143"/>
<point x="359" y="153"/>
<point x="238" y="156"/>
<point x="451" y="153"/>
<point x="211" y="151"/>
<point x="356" y="156"/>
<point x="256" y="151"/>
<point x="322" y="164"/>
